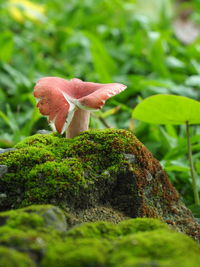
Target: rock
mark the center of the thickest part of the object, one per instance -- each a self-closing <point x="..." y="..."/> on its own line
<point x="130" y="158"/>
<point x="3" y="170"/>
<point x="43" y="132"/>
<point x="2" y="197"/>
<point x="98" y="173"/>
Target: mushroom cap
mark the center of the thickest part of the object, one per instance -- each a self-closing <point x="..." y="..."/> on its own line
<point x="60" y="98"/>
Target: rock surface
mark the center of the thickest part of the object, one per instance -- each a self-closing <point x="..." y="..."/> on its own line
<point x="98" y="175"/>
<point x="39" y="236"/>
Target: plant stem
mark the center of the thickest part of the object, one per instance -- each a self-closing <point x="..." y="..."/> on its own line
<point x="192" y="171"/>
<point x="79" y="123"/>
<point x="102" y="120"/>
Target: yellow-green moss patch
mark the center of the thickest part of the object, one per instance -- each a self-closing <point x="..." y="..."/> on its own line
<point x="12" y="258"/>
<point x="37" y="236"/>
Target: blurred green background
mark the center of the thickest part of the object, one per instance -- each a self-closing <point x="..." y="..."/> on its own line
<point x="151" y="46"/>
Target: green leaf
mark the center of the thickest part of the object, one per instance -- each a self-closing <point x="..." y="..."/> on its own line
<point x="193" y="80"/>
<point x="168" y="109"/>
<point x="6" y="44"/>
<point x="175" y="165"/>
<point x="103" y="62"/>
<point x="174" y="62"/>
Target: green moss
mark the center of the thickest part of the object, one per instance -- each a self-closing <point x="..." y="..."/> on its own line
<point x="164" y="246"/>
<point x="94" y="230"/>
<point x="104" y="142"/>
<point x="79" y="253"/>
<point x="51" y="180"/>
<point x="140" y="225"/>
<point x="91" y="142"/>
<point x="12" y="258"/>
<point x="109" y="231"/>
<point x="24" y="220"/>
<point x="104" y="244"/>
<point x="32" y="229"/>
<point x="143" y="262"/>
<point x="55" y="143"/>
<point x="38" y="140"/>
<point x="12" y="237"/>
<point x="43" y="218"/>
<point x="17" y="160"/>
<point x="44" y="167"/>
<point x="30" y="241"/>
<point x="40" y="233"/>
<point x="98" y="175"/>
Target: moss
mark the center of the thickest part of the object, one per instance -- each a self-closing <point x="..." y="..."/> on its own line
<point x="36" y="217"/>
<point x="143" y="262"/>
<point x="51" y="180"/>
<point x="91" y="142"/>
<point x="32" y="229"/>
<point x="44" y="167"/>
<point x="157" y="245"/>
<point x="140" y="225"/>
<point x="24" y="220"/>
<point x="54" y="142"/>
<point x="104" y="244"/>
<point x="94" y="230"/>
<point x="19" y="163"/>
<point x="32" y="242"/>
<point x="17" y="160"/>
<point x="79" y="253"/>
<point x="32" y="235"/>
<point x="38" y="140"/>
<point x="97" y="171"/>
<point x="12" y="258"/>
<point x="109" y="231"/>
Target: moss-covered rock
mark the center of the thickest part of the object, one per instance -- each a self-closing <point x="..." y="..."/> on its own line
<point x="98" y="175"/>
<point x="148" y="245"/>
<point x="109" y="231"/>
<point x="30" y="230"/>
<point x="33" y="236"/>
<point x="12" y="258"/>
<point x="35" y="217"/>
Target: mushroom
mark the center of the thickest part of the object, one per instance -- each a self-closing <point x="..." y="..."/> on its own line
<point x="67" y="103"/>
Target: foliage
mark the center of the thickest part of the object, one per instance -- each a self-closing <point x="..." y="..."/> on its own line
<point x="132" y="42"/>
<point x="168" y="109"/>
<point x="172" y="110"/>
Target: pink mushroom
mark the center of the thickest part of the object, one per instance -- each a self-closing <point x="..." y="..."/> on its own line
<point x="67" y="103"/>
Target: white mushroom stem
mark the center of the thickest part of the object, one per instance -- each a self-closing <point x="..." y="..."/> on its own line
<point x="79" y="123"/>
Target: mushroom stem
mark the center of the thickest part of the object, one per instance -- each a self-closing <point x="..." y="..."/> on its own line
<point x="79" y="123"/>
